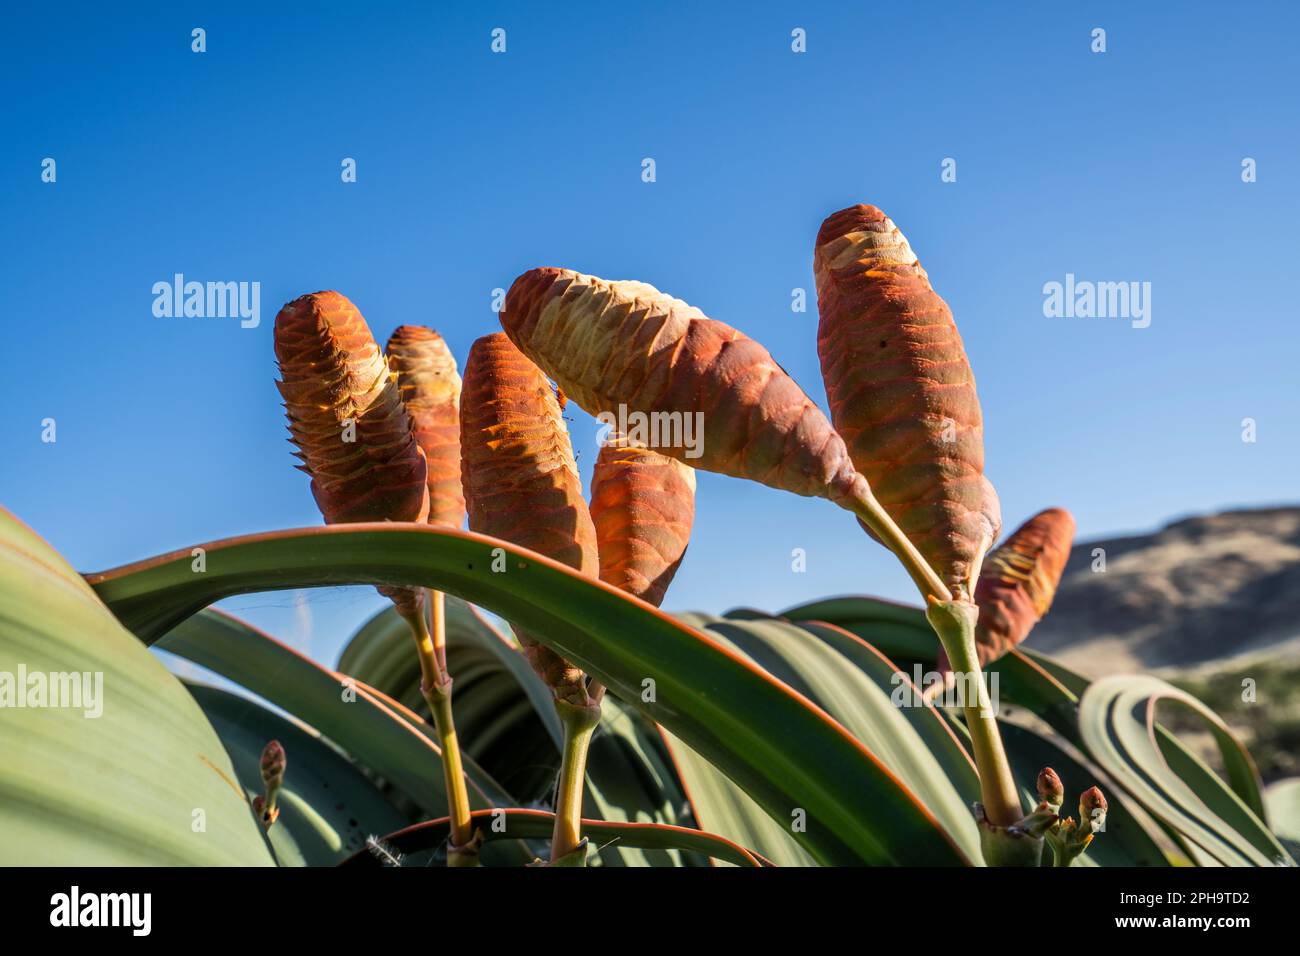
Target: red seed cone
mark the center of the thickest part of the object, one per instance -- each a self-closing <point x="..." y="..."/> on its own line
<point x="611" y="344"/>
<point x="520" y="480"/>
<point x="1018" y="582"/>
<point x="430" y="390"/>
<point x="643" y="506"/>
<point x="334" y="382"/>
<point x="902" y="393"/>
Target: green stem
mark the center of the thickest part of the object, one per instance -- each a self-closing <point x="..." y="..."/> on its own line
<point x="579" y="724"/>
<point x="873" y="515"/>
<point x="435" y="685"/>
<point x="954" y="622"/>
<point x="438" y="628"/>
<point x="453" y="771"/>
<point x="270" y="805"/>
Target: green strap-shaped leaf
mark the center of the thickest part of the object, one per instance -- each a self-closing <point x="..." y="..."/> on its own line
<point x="377" y="654"/>
<point x="828" y="664"/>
<point x="376" y="731"/>
<point x="1025" y="680"/>
<point x="327" y="806"/>
<point x="861" y="689"/>
<point x="506" y="719"/>
<point x="504" y="714"/>
<point x="934" y="732"/>
<point x="1037" y="678"/>
<point x="1117" y="722"/>
<point x="1071" y="680"/>
<point x="1045" y="687"/>
<point x="146" y="780"/>
<point x="722" y="807"/>
<point x="1052" y="691"/>
<point x="1282" y="798"/>
<point x="731" y="712"/>
<point x="900" y="631"/>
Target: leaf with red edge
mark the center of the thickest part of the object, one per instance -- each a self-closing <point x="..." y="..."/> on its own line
<point x="784" y="751"/>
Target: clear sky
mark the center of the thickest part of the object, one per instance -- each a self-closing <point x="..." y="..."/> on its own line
<point x="473" y="166"/>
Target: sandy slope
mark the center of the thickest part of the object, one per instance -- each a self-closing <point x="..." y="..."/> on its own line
<point x="1197" y="591"/>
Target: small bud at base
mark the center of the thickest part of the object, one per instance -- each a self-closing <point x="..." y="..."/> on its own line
<point x="1090" y="803"/>
<point x="273" y="763"/>
<point x="1050" y="789"/>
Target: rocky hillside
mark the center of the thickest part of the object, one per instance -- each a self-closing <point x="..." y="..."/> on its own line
<point x="1198" y="590"/>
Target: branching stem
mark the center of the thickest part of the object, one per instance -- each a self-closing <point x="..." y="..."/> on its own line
<point x="874" y="516"/>
<point x="954" y="622"/>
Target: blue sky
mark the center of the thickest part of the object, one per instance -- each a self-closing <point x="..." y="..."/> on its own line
<point x="474" y="166"/>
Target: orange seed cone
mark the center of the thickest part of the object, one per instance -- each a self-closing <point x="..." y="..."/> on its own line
<point x="521" y="483"/>
<point x="611" y="344"/>
<point x="430" y="389"/>
<point x="902" y="393"/>
<point x="624" y="348"/>
<point x="346" y="418"/>
<point x="643" y="506"/>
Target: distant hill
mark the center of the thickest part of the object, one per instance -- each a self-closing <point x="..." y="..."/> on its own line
<point x="1198" y="590"/>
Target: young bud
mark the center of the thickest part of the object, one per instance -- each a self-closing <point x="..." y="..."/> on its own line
<point x="273" y="764"/>
<point x="1092" y="811"/>
<point x="1050" y="789"/>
